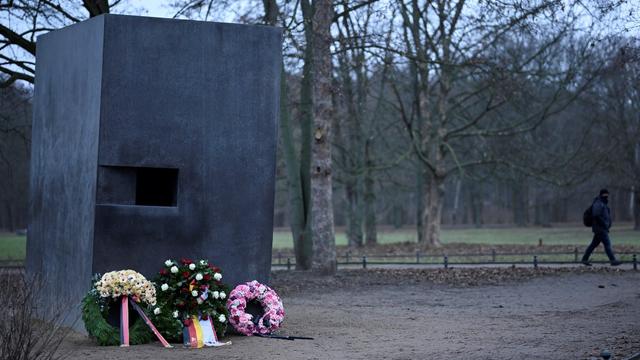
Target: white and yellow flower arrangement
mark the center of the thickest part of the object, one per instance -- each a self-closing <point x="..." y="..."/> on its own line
<point x="115" y="284"/>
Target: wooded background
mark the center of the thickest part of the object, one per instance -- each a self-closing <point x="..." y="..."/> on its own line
<point x="411" y="113"/>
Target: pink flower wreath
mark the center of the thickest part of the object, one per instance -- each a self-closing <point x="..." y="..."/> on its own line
<point x="243" y="322"/>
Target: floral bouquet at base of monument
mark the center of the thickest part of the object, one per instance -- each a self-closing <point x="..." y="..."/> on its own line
<point x="188" y="293"/>
<point x="106" y="297"/>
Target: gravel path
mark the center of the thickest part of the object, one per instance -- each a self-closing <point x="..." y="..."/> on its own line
<point x="567" y="316"/>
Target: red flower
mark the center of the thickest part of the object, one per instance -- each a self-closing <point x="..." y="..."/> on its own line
<point x="203" y="287"/>
<point x="214" y="268"/>
<point x="206" y="277"/>
<point x="185" y="274"/>
<point x="164" y="272"/>
<point x="185" y="261"/>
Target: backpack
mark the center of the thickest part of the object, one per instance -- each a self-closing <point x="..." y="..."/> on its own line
<point x="587" y="216"/>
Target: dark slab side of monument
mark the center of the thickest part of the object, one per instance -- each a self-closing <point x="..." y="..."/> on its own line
<point x="152" y="139"/>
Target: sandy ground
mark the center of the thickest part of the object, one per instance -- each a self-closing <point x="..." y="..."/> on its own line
<point x="566" y="316"/>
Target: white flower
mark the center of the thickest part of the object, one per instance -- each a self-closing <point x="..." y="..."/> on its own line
<point x="199" y="301"/>
<point x="156" y="311"/>
<point x="174" y="269"/>
<point x="168" y="262"/>
<point x="222" y="295"/>
<point x="202" y="262"/>
<point x="216" y="295"/>
<point x="176" y="314"/>
<point x="217" y="276"/>
<point x="222" y="318"/>
<point x="198" y="276"/>
<point x="192" y="266"/>
<point x="194" y="293"/>
<point x="164" y="287"/>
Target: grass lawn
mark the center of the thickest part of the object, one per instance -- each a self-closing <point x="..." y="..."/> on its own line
<point x="622" y="234"/>
<point x="12" y="247"/>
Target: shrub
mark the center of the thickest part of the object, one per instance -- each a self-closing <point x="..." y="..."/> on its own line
<point x="24" y="332"/>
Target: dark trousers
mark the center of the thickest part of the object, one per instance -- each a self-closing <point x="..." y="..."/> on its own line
<point x="599" y="237"/>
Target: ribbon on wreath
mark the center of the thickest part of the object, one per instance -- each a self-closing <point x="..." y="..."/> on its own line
<point x="124" y="322"/>
<point x="200" y="333"/>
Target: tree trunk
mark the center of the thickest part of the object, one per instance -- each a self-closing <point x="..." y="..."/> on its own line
<point x="270" y="12"/>
<point x="324" y="250"/>
<point x="422" y="213"/>
<point x="543" y="209"/>
<point x="298" y="183"/>
<point x="354" y="223"/>
<point x="456" y="202"/>
<point x="297" y="169"/>
<point x="520" y="203"/>
<point x="476" y="204"/>
<point x="350" y="136"/>
<point x="636" y="190"/>
<point x="370" y="222"/>
<point x="631" y="203"/>
<point x="434" y="204"/>
<point x="636" y="208"/>
<point x="96" y="7"/>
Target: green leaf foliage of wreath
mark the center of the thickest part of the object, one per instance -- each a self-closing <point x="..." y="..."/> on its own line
<point x="94" y="312"/>
<point x="167" y="325"/>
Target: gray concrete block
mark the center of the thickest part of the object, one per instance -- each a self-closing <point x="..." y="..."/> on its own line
<point x="153" y="139"/>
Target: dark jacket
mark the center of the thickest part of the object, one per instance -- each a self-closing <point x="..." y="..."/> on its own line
<point x="601" y="216"/>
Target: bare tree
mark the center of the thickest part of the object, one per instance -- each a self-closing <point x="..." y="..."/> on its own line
<point x="324" y="251"/>
<point x="29" y="329"/>
<point x="27" y="19"/>
<point x="297" y="163"/>
<point x="619" y="107"/>
<point x="460" y="89"/>
<point x="15" y="140"/>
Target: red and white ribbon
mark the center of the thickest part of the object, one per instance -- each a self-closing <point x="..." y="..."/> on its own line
<point x="124" y="322"/>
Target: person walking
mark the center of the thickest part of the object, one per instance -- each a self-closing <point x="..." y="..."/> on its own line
<point x="601" y="223"/>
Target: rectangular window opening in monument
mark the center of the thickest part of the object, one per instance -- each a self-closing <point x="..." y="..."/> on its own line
<point x="156" y="187"/>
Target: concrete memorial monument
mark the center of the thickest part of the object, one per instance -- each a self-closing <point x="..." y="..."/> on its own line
<point x="152" y="139"/>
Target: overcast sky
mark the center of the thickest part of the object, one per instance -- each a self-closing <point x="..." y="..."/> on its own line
<point x="155" y="8"/>
<point x="161" y="8"/>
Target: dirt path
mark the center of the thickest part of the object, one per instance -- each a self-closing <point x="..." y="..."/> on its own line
<point x="504" y="265"/>
<point x="554" y="317"/>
